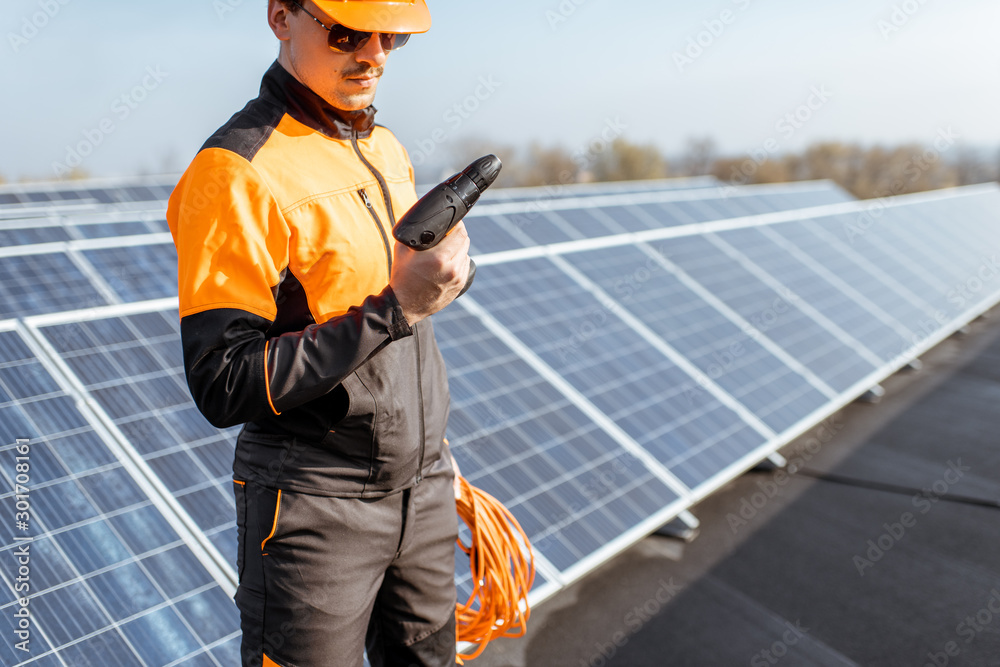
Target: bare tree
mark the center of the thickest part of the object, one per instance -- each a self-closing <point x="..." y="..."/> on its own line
<point x="625" y="161"/>
<point x="698" y="157"/>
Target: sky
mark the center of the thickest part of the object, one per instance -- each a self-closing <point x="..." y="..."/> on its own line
<point x="113" y="88"/>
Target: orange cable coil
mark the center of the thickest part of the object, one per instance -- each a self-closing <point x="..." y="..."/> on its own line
<point x="502" y="572"/>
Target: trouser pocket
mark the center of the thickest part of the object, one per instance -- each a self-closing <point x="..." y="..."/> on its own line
<point x="257" y="516"/>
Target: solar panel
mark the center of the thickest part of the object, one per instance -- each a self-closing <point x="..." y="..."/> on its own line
<point x="32" y="284"/>
<point x="48" y="278"/>
<point x="572" y="487"/>
<point x="524" y="223"/>
<point x="621" y="356"/>
<point x="107" y="575"/>
<point x="131" y="365"/>
<point x="558" y="191"/>
<point x="641" y="389"/>
<point x="757" y="372"/>
<point x="25" y="196"/>
<point x="54" y="226"/>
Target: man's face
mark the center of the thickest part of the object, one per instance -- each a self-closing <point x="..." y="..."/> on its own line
<point x="345" y="80"/>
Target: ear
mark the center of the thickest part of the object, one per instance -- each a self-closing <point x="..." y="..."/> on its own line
<point x="277" y="18"/>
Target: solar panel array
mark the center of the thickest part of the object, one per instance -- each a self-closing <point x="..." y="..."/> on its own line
<point x="43" y="198"/>
<point x="61" y="228"/>
<point x="110" y="579"/>
<point x="620" y="357"/>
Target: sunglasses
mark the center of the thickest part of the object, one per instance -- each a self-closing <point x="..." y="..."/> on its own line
<point x="347" y="40"/>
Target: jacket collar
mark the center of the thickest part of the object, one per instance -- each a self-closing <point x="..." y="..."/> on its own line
<point x="305" y="106"/>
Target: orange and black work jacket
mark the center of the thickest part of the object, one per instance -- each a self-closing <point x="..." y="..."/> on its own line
<point x="282" y="224"/>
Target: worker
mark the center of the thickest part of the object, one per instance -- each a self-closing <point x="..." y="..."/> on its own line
<point x="303" y="321"/>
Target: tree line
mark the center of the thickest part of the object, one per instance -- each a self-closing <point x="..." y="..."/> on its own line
<point x="866" y="171"/>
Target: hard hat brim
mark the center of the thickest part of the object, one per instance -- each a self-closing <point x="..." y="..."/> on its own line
<point x="374" y="16"/>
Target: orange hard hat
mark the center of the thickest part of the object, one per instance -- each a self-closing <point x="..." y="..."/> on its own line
<point x="401" y="16"/>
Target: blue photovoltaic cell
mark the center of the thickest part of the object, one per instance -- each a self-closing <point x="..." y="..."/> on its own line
<point x="785" y="323"/>
<point x="29" y="234"/>
<point x="879" y="338"/>
<point x="846" y="265"/>
<point x="757" y="204"/>
<point x="636" y="218"/>
<point x="539" y="228"/>
<point x="933" y="247"/>
<point x="723" y="351"/>
<point x="714" y="209"/>
<point x="921" y="281"/>
<point x="666" y="214"/>
<point x="47" y="193"/>
<point x="657" y="404"/>
<point x="490" y="234"/>
<point x="587" y="223"/>
<point x="111" y="229"/>
<point x="572" y="488"/>
<point x="12" y="236"/>
<point x="584" y="222"/>
<point x="138" y="273"/>
<point x="133" y="367"/>
<point x="736" y="207"/>
<point x="104" y="562"/>
<point x="36" y="284"/>
<point x="593" y="189"/>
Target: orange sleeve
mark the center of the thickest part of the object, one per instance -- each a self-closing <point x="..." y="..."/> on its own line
<point x="231" y="239"/>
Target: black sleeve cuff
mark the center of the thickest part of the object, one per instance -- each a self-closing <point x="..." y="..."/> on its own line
<point x="399" y="328"/>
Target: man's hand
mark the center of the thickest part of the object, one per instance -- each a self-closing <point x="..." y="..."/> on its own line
<point x="426" y="281"/>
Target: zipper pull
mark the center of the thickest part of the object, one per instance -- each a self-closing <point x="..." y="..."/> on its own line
<point x="365" y="199"/>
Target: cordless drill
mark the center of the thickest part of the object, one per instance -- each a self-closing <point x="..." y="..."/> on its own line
<point x="430" y="219"/>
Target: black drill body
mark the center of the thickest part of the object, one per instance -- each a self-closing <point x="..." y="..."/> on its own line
<point x="437" y="212"/>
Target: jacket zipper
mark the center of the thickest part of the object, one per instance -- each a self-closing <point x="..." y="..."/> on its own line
<point x="384" y="188"/>
<point x="381" y="230"/>
<point x="378" y="177"/>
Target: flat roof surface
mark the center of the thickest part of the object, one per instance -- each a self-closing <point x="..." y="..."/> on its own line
<point x="845" y="561"/>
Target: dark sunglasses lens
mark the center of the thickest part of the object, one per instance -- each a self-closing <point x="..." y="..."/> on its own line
<point x="392" y="41"/>
<point x="346" y="40"/>
<point x="342" y="38"/>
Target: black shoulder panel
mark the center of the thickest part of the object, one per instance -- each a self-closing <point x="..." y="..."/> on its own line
<point x="249" y="128"/>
